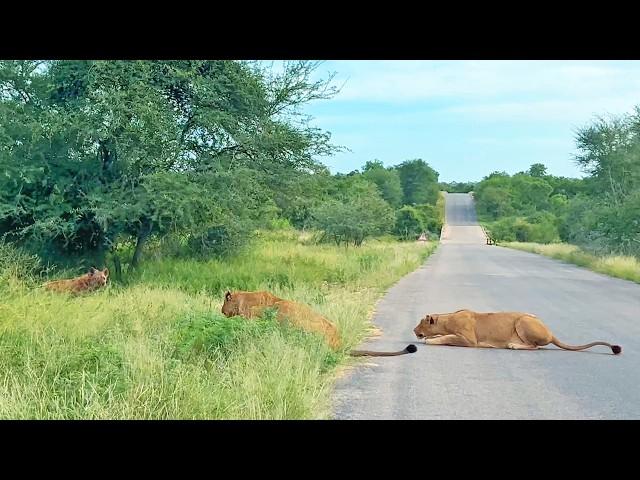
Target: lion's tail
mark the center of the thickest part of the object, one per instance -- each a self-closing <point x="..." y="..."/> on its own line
<point x="411" y="348"/>
<point x="616" y="349"/>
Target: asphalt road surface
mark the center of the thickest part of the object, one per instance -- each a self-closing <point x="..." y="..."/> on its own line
<point x="442" y="382"/>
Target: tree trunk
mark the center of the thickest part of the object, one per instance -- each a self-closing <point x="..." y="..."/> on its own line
<point x="117" y="266"/>
<point x="143" y="235"/>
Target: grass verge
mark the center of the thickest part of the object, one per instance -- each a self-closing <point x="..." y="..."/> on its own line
<point x="158" y="347"/>
<point x="624" y="267"/>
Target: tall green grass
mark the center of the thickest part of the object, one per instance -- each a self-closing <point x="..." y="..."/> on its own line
<point x="157" y="347"/>
<point x="618" y="266"/>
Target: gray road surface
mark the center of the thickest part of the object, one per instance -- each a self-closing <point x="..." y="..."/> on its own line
<point x="442" y="382"/>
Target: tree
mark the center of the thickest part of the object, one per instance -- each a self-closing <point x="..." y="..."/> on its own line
<point x="537" y="170"/>
<point x="610" y="152"/>
<point x="408" y="223"/>
<point x="430" y="217"/>
<point x="419" y="182"/>
<point x="530" y="193"/>
<point x="352" y="217"/>
<point x="493" y="199"/>
<point x="96" y="152"/>
<point x="387" y="181"/>
<point x="296" y="196"/>
<point x="566" y="186"/>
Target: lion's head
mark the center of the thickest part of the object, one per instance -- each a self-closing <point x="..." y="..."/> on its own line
<point x="231" y="305"/>
<point x="426" y="327"/>
<point x="98" y="277"/>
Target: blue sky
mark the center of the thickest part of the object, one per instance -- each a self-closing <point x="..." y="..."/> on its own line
<point x="469" y="118"/>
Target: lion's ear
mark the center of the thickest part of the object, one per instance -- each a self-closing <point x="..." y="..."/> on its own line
<point x="227" y="296"/>
<point x="431" y="320"/>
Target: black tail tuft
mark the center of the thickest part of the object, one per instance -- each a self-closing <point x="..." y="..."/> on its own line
<point x="411" y="348"/>
<point x="616" y="349"/>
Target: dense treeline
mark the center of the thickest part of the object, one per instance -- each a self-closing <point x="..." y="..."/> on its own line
<point x="103" y="158"/>
<point x="600" y="212"/>
<point x="457" y="187"/>
<point x="402" y="200"/>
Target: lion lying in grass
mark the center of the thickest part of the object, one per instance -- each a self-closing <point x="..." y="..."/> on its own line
<point x="514" y="330"/>
<point x="253" y="305"/>
<point x="92" y="280"/>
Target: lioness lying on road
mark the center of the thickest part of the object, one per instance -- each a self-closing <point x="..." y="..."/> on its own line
<point x="253" y="304"/>
<point x="515" y="330"/>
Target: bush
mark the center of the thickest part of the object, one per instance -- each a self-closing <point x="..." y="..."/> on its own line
<point x="539" y="228"/>
<point x="17" y="265"/>
<point x="409" y="223"/>
<point x="280" y="224"/>
<point x="218" y="240"/>
<point x="543" y="228"/>
<point x="521" y="230"/>
<point x="431" y="216"/>
<point x="355" y="217"/>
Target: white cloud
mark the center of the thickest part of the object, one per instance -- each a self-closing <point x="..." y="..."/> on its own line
<point x="530" y="141"/>
<point x="574" y="111"/>
<point x="405" y="81"/>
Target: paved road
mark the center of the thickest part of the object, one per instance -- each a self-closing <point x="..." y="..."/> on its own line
<point x="442" y="382"/>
